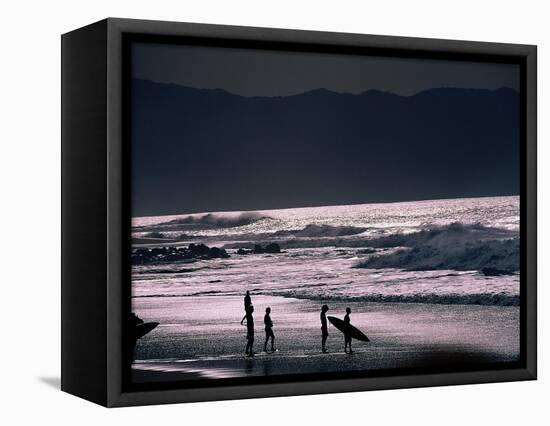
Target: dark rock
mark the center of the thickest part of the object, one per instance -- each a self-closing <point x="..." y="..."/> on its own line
<point x="157" y="235"/>
<point x="199" y="249"/>
<point x="174" y="254"/>
<point x="258" y="249"/>
<point x="217" y="253"/>
<point x="272" y="248"/>
<point x="242" y="251"/>
<point x="494" y="272"/>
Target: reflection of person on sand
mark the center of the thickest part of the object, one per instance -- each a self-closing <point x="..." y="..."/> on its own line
<point x="268" y="330"/>
<point x="347" y="335"/>
<point x="249" y="330"/>
<point x="247" y="300"/>
<point x="324" y="328"/>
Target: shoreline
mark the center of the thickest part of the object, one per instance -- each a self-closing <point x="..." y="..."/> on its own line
<point x="200" y="337"/>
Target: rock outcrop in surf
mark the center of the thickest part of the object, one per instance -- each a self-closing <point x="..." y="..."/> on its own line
<point x="175" y="254"/>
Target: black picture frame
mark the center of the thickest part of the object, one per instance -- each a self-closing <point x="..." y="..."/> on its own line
<point x="96" y="215"/>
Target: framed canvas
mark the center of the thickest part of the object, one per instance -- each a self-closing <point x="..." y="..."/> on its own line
<point x="253" y="212"/>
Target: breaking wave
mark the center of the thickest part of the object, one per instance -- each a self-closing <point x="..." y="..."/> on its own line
<point x="193" y="294"/>
<point x="486" y="299"/>
<point x="459" y="247"/>
<point x="315" y="236"/>
<point x="313" y="230"/>
<point x="202" y="221"/>
<point x="219" y="221"/>
<point x="168" y="271"/>
<point x="489" y="299"/>
<point x="454" y="233"/>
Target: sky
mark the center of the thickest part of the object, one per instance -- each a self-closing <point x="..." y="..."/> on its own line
<point x="252" y="72"/>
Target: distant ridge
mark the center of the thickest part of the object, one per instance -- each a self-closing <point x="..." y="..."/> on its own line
<point x="320" y="90"/>
<point x="200" y="150"/>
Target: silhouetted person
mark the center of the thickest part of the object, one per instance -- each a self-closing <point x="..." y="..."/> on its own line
<point x="268" y="330"/>
<point x="131" y="338"/>
<point x="347" y="334"/>
<point x="324" y="328"/>
<point x="247" y="300"/>
<point x="249" y="330"/>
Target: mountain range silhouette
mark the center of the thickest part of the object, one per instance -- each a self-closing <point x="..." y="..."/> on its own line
<point x="196" y="150"/>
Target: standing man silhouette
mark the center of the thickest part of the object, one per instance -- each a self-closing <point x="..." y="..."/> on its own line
<point x="249" y="330"/>
<point x="347" y="335"/>
<point x="269" y="330"/>
<point x="324" y="328"/>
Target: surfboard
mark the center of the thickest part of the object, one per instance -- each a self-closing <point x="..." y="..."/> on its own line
<point x="354" y="332"/>
<point x="144" y="328"/>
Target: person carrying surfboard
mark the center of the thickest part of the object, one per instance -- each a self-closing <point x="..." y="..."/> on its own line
<point x="347" y="332"/>
<point x="269" y="330"/>
<point x="249" y="330"/>
<point x="324" y="328"/>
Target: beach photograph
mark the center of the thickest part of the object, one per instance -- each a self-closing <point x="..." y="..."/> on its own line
<point x="297" y="214"/>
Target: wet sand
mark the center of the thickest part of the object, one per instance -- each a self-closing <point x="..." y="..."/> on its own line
<point x="201" y="337"/>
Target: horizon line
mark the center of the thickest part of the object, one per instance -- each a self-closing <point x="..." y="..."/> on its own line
<point x="325" y="205"/>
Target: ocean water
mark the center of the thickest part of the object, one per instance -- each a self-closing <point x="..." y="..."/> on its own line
<point x="459" y="251"/>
